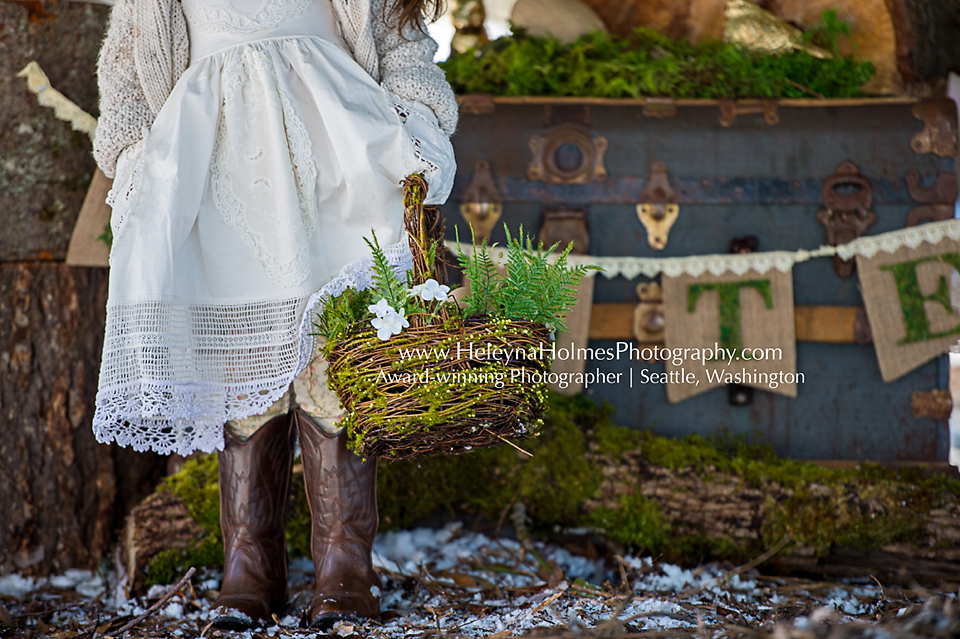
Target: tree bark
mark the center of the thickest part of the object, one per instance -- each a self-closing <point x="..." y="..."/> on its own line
<point x="45" y="166"/>
<point x="161" y="522"/>
<point x="63" y="494"/>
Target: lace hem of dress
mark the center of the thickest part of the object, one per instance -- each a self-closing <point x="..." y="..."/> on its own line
<point x="172" y="374"/>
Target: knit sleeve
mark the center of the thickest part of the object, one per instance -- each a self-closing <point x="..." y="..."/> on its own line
<point x="124" y="111"/>
<point x="407" y="67"/>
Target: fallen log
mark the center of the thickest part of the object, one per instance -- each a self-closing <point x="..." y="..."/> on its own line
<point x="597" y="485"/>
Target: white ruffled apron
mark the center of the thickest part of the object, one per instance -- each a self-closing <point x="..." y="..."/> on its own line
<point x="245" y="205"/>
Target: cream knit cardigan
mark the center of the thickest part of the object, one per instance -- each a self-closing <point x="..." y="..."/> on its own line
<point x="147" y="49"/>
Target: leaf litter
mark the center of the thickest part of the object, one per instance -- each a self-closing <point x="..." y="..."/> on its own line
<point x="454" y="582"/>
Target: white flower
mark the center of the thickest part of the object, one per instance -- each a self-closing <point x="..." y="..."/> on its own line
<point x="381" y="308"/>
<point x="390" y="324"/>
<point x="430" y="290"/>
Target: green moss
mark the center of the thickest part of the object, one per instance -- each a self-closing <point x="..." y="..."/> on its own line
<point x="648" y="64"/>
<point x="196" y="485"/>
<point x="552" y="484"/>
<point x="169" y="565"/>
<point x="637" y="523"/>
<point x="913" y="301"/>
<point x="729" y="305"/>
<point x="559" y="477"/>
<point x="476" y="481"/>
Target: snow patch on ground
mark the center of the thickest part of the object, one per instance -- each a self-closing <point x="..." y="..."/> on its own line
<point x="464" y="583"/>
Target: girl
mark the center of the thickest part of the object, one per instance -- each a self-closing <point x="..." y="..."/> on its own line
<point x="254" y="143"/>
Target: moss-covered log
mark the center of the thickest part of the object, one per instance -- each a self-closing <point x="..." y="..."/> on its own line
<point x="687" y="500"/>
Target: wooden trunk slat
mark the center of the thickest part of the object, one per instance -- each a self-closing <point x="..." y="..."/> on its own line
<point x="598" y="101"/>
<point x="819" y="324"/>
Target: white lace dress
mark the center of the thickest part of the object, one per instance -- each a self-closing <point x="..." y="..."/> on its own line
<point x="246" y="204"/>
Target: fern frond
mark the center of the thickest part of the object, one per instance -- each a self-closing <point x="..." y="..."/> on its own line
<point x="384" y="277"/>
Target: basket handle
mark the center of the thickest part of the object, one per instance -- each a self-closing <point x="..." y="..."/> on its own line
<point x="424" y="226"/>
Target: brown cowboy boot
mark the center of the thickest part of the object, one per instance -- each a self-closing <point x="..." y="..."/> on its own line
<point x="342" y="493"/>
<point x="254" y="482"/>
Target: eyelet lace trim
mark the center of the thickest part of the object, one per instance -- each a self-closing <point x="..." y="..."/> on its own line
<point x="173" y="390"/>
<point x="403" y="112"/>
<point x="251" y="169"/>
<point x="126" y="184"/>
<point x="225" y="16"/>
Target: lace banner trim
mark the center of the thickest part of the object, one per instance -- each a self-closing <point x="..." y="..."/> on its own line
<point x="761" y="262"/>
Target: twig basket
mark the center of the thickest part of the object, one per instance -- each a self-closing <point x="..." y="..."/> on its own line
<point x="443" y="385"/>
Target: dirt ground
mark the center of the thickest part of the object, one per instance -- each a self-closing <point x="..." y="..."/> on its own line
<point x="453" y="582"/>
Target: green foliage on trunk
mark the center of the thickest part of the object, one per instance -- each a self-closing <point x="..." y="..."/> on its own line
<point x="650" y="64"/>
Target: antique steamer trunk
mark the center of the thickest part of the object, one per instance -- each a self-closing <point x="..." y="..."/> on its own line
<point x="734" y="169"/>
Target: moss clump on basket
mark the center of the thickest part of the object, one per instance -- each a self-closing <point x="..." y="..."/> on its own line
<point x="419" y="373"/>
<point x="650" y="64"/>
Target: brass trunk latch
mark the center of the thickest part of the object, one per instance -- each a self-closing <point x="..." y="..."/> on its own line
<point x="648" y="319"/>
<point x="847" y="196"/>
<point x="658" y="208"/>
<point x="565" y="226"/>
<point x="481" y="201"/>
<point x="730" y="109"/>
<point x="939" y="134"/>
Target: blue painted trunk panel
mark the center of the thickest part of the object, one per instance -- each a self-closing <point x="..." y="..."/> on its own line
<point x="844" y="410"/>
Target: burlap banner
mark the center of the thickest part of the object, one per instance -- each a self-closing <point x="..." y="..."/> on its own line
<point x="729" y="328"/>
<point x="912" y="296"/>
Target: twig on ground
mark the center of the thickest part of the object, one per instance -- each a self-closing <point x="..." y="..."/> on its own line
<point x="5" y="618"/>
<point x="701" y="627"/>
<point x="159" y="603"/>
<point x="736" y="571"/>
<point x="205" y="628"/>
<point x="283" y="631"/>
<point x="625" y="584"/>
<point x="562" y="588"/>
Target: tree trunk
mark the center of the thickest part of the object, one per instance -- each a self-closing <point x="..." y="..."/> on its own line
<point x="64" y="495"/>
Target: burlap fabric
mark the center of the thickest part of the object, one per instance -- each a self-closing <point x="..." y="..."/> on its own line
<point x="912" y="298"/>
<point x="578" y="333"/>
<point x="730" y="312"/>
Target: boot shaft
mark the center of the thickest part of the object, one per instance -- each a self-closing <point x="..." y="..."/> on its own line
<point x="342" y="494"/>
<point x="341" y="487"/>
<point x="254" y="486"/>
